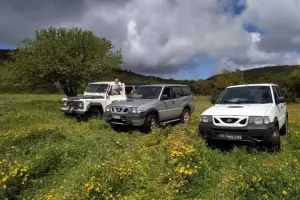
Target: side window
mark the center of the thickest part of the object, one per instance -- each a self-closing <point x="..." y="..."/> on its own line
<point x="279" y="91"/>
<point x="128" y="90"/>
<point x="167" y="93"/>
<point x="186" y="91"/>
<point x="178" y="93"/>
<point x="275" y="92"/>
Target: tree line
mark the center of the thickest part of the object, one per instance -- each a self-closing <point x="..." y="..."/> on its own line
<point x="61" y="59"/>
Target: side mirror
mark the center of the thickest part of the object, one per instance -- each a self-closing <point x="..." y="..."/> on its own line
<point x="164" y="97"/>
<point x="213" y="101"/>
<point x="280" y="100"/>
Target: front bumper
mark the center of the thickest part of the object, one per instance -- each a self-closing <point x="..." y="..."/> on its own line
<point x="72" y="111"/>
<point x="127" y="119"/>
<point x="249" y="133"/>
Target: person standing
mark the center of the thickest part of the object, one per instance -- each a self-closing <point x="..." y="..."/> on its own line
<point x="116" y="88"/>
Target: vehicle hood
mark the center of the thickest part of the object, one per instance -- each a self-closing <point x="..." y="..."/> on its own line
<point x="85" y="97"/>
<point x="133" y="102"/>
<point x="238" y="109"/>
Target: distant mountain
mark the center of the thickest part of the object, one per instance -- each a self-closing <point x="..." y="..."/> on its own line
<point x="125" y="75"/>
<point x="259" y="73"/>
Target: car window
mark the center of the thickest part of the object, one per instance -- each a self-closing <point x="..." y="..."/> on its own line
<point x="275" y="92"/>
<point x="186" y="91"/>
<point x="246" y="94"/>
<point x="146" y="92"/>
<point x="177" y="91"/>
<point x="168" y="93"/>
<point x="279" y="91"/>
<point x="128" y="89"/>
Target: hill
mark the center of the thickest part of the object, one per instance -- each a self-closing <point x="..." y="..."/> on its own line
<point x="285" y="76"/>
<point x="249" y="75"/>
<point x="257" y="73"/>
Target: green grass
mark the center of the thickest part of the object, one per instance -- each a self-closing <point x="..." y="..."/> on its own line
<point x="47" y="156"/>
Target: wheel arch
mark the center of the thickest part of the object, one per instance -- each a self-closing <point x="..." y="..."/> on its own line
<point x="95" y="105"/>
<point x="155" y="111"/>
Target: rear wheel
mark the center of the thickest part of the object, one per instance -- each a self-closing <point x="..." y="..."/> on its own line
<point x="185" y="116"/>
<point x="150" y="123"/>
<point x="274" y="144"/>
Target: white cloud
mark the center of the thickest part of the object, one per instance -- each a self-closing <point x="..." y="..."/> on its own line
<point x="159" y="36"/>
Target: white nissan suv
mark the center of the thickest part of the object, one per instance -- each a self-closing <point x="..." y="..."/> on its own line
<point x="255" y="113"/>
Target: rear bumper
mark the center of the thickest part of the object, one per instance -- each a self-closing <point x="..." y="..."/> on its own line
<point x="128" y="119"/>
<point x="253" y="133"/>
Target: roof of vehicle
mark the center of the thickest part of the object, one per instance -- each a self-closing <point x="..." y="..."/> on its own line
<point x="162" y="85"/>
<point x="103" y="82"/>
<point x="132" y="83"/>
<point x="112" y="82"/>
<point x="258" y="84"/>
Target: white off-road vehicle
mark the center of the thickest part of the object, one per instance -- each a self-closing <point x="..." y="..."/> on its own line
<point x="255" y="113"/>
<point x="94" y="100"/>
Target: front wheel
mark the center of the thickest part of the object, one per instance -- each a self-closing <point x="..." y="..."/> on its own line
<point x="150" y="123"/>
<point x="285" y="128"/>
<point x="274" y="144"/>
<point x="94" y="113"/>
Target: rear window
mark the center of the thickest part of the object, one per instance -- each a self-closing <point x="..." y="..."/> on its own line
<point x="186" y="91"/>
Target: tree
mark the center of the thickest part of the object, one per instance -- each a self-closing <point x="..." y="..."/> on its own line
<point x="70" y="57"/>
<point x="225" y="79"/>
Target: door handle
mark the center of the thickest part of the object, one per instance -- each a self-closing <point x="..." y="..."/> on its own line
<point x="173" y="101"/>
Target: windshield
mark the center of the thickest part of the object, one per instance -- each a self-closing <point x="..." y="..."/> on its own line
<point x="99" y="88"/>
<point x="246" y="94"/>
<point x="146" y="92"/>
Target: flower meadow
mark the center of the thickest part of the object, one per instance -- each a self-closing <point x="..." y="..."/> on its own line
<point x="44" y="155"/>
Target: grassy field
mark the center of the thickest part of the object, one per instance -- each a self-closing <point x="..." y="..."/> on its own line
<point x="47" y="156"/>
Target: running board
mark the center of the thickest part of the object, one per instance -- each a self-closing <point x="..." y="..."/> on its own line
<point x="170" y="121"/>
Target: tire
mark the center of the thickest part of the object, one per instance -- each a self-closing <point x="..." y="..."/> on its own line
<point x="285" y="128"/>
<point x="185" y="116"/>
<point x="94" y="113"/>
<point x="68" y="115"/>
<point x="273" y="144"/>
<point x="150" y="123"/>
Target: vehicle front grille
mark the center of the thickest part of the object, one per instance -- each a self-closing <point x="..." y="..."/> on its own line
<point x="119" y="110"/>
<point x="74" y="104"/>
<point x="229" y="120"/>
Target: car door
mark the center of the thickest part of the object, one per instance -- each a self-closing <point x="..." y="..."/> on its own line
<point x="281" y="107"/>
<point x="168" y="108"/>
<point x="179" y="100"/>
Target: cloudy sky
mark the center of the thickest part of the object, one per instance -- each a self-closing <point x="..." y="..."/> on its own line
<point x="188" y="39"/>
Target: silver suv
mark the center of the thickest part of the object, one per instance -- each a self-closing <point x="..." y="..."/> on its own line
<point x="151" y="105"/>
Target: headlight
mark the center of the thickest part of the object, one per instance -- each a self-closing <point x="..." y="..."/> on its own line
<point x="259" y="120"/>
<point x="136" y="110"/>
<point x="107" y="109"/>
<point x="206" y="119"/>
<point x="81" y="104"/>
<point x="64" y="103"/>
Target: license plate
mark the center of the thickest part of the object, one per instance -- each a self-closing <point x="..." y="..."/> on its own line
<point x="116" y="117"/>
<point x="230" y="136"/>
